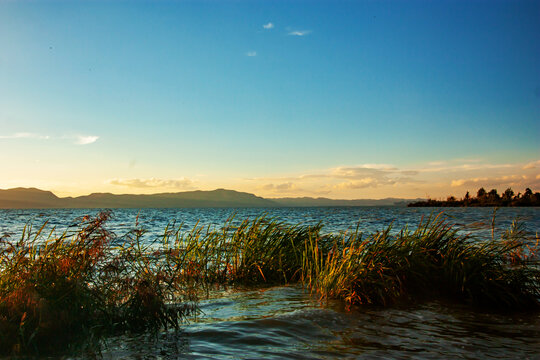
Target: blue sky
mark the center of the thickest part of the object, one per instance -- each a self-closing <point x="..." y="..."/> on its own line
<point x="176" y="95"/>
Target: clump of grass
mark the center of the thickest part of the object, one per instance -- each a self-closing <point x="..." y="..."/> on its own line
<point x="433" y="260"/>
<point x="56" y="290"/>
<point x="251" y="252"/>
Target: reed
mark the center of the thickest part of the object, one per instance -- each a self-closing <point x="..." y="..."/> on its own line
<point x="90" y="283"/>
<point x="56" y="290"/>
<point x="433" y="260"/>
<point x="249" y="252"/>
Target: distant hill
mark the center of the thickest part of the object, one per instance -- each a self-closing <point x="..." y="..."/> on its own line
<point x="188" y="199"/>
<point x="32" y="198"/>
<point x="308" y="201"/>
<point x="23" y="198"/>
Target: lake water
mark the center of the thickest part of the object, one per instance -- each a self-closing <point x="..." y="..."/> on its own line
<point x="368" y="219"/>
<point x="287" y="322"/>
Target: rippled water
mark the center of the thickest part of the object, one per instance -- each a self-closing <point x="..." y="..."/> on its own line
<point x="287" y="322"/>
<point x="369" y="219"/>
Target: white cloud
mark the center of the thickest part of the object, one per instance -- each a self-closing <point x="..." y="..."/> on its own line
<point x="531" y="165"/>
<point x="182" y="183"/>
<point x="268" y="26"/>
<point x="300" y="32"/>
<point x="85" y="139"/>
<point x="25" y="135"/>
<point x="251" y="53"/>
<point x="77" y="139"/>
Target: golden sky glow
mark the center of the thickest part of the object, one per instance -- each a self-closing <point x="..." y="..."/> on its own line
<point x="351" y="100"/>
<point x="436" y="179"/>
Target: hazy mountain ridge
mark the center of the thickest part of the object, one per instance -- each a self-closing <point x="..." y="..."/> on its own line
<point x="32" y="198"/>
<point x="320" y="201"/>
<point x="21" y="198"/>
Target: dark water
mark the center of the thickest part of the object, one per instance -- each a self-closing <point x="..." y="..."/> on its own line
<point x="287" y="322"/>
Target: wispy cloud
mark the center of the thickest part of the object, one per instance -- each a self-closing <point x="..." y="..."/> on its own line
<point x="531" y="165"/>
<point x="25" y="135"/>
<point x="284" y="187"/>
<point x="488" y="182"/>
<point x="461" y="182"/>
<point x="363" y="183"/>
<point x="182" y="183"/>
<point x="300" y="32"/>
<point x="357" y="177"/>
<point x="464" y="167"/>
<point x="268" y="26"/>
<point x="251" y="53"/>
<point x="436" y="177"/>
<point x="76" y="139"/>
<point x="344" y="172"/>
<point x="85" y="139"/>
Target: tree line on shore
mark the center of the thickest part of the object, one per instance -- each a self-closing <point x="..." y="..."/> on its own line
<point x="485" y="198"/>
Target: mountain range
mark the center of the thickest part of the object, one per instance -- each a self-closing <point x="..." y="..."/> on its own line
<point x="32" y="198"/>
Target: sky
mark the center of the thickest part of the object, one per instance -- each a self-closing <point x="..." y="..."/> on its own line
<point x="337" y="99"/>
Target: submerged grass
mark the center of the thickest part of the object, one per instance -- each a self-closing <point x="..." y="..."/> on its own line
<point x="56" y="290"/>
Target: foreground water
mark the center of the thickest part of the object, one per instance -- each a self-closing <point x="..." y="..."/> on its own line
<point x="287" y="322"/>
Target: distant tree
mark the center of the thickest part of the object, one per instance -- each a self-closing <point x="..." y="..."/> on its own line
<point x="481" y="193"/>
<point x="527" y="199"/>
<point x="493" y="196"/>
<point x="508" y="194"/>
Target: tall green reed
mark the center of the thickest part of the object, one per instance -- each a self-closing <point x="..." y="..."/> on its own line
<point x="433" y="260"/>
<point x="58" y="289"/>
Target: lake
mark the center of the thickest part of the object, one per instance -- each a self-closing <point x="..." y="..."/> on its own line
<point x="288" y="322"/>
